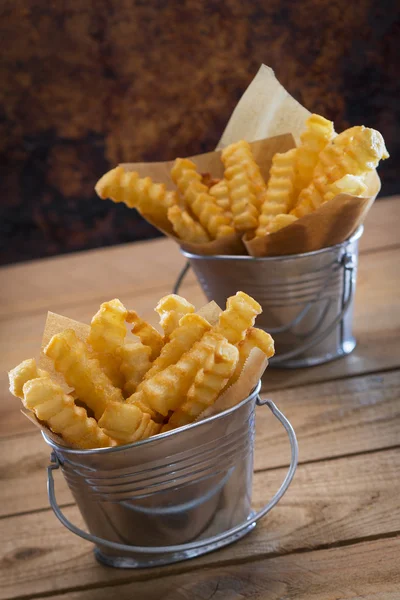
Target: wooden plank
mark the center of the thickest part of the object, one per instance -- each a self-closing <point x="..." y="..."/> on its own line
<point x="96" y="275"/>
<point x="365" y="571"/>
<point x="335" y="419"/>
<point x="329" y="503"/>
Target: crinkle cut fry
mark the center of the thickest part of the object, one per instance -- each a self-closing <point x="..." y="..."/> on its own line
<point x="150" y="199"/>
<point x="208" y="384"/>
<point x="255" y="338"/>
<point x="71" y="357"/>
<point x="58" y="410"/>
<point x="220" y="191"/>
<point x="107" y="334"/>
<point x="197" y="197"/>
<point x="148" y="335"/>
<point x="22" y="373"/>
<point x="135" y="363"/>
<point x="243" y="154"/>
<point x="280" y="192"/>
<point x="191" y="328"/>
<point x="171" y="309"/>
<point x="185" y="227"/>
<point x="319" y="132"/>
<point x="356" y="151"/>
<point x="240" y="314"/>
<point x="168" y="388"/>
<point x="242" y="194"/>
<point x="127" y="423"/>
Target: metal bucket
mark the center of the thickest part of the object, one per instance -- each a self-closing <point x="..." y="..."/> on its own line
<point x="307" y="299"/>
<point x="171" y="497"/>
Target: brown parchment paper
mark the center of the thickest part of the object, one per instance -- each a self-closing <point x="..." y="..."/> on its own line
<point x="251" y="373"/>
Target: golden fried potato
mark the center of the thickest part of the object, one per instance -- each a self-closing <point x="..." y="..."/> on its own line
<point x="281" y="221"/>
<point x="241" y="311"/>
<point x="280" y="192"/>
<point x="255" y="338"/>
<point x="208" y="383"/>
<point x="107" y="334"/>
<point x="148" y="335"/>
<point x="171" y="309"/>
<point x="185" y="227"/>
<point x="21" y="374"/>
<point x="242" y="190"/>
<point x="168" y="388"/>
<point x="150" y="199"/>
<point x="135" y="362"/>
<point x="71" y="357"/>
<point x="58" y="410"/>
<point x="197" y="197"/>
<point x="349" y="184"/>
<point x="319" y="132"/>
<point x="241" y="153"/>
<point x="126" y="423"/>
<point x="356" y="151"/>
<point x="191" y="328"/>
<point x="220" y="191"/>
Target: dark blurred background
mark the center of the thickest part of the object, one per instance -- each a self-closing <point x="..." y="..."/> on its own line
<point x="86" y="85"/>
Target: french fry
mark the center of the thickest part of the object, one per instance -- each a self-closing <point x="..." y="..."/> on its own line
<point x="220" y="191"/>
<point x="241" y="311"/>
<point x="208" y="383"/>
<point x="197" y="197"/>
<point x="255" y="338"/>
<point x="107" y="334"/>
<point x="126" y="423"/>
<point x="135" y="362"/>
<point x="191" y="328"/>
<point x="349" y="184"/>
<point x="280" y="193"/>
<point x="171" y="309"/>
<point x="353" y="152"/>
<point x="148" y="335"/>
<point x="185" y="227"/>
<point x="243" y="155"/>
<point x="21" y="374"/>
<point x="150" y="199"/>
<point x="58" y="410"/>
<point x="71" y="357"/>
<point x="243" y="199"/>
<point x="319" y="132"/>
<point x="281" y="221"/>
<point x="168" y="388"/>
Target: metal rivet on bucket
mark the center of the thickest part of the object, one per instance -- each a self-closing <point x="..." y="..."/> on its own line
<point x="307" y="299"/>
<point x="171" y="497"/>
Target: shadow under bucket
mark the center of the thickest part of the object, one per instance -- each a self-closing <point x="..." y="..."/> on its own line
<point x="173" y="496"/>
<point x="307" y="299"/>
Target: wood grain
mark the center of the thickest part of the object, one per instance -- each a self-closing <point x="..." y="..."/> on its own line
<point x="335" y="419"/>
<point x="356" y="572"/>
<point x="330" y="502"/>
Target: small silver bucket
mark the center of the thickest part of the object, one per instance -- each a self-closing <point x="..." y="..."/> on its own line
<point x="172" y="497"/>
<point x="307" y="299"/>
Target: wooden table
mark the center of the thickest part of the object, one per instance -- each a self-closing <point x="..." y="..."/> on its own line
<point x="335" y="534"/>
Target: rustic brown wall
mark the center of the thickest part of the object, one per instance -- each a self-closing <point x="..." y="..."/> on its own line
<point x="85" y="85"/>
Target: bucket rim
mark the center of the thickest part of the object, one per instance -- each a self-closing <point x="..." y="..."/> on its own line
<point x="353" y="238"/>
<point x="159" y="436"/>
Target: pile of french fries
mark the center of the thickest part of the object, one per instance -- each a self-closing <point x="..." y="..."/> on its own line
<point x="126" y="390"/>
<point x="202" y="209"/>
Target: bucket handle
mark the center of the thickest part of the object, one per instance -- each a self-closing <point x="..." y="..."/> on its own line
<point x="216" y="539"/>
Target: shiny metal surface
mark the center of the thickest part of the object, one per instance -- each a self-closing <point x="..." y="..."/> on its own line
<point x="152" y="503"/>
<point x="307" y="299"/>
